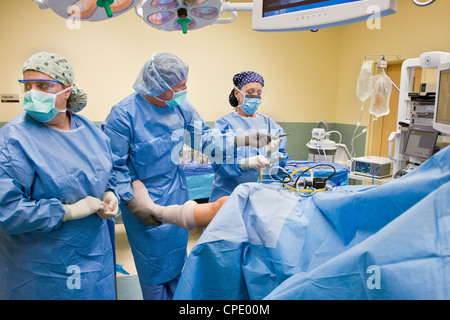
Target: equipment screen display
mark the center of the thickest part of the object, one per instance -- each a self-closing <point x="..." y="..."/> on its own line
<point x="362" y="167"/>
<point x="278" y="7"/>
<point x="443" y="106"/>
<point x="420" y="144"/>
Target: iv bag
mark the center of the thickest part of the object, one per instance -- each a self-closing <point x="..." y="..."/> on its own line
<point x="364" y="85"/>
<point x="382" y="88"/>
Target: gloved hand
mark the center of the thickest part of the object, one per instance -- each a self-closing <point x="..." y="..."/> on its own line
<point x="255" y="162"/>
<point x="140" y="205"/>
<point x="111" y="205"/>
<point x="252" y="139"/>
<point x="151" y="214"/>
<point x="82" y="208"/>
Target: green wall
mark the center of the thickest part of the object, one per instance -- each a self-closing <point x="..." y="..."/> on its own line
<point x="300" y="134"/>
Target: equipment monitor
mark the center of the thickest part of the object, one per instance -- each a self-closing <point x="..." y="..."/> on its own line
<point x="441" y="121"/>
<point x="420" y="141"/>
<point x="297" y="15"/>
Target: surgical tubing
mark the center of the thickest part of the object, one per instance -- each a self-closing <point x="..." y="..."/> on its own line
<point x="301" y="192"/>
<point x="310" y="190"/>
<point x="270" y="174"/>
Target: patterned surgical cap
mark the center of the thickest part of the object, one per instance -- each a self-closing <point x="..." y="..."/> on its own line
<point x="58" y="68"/>
<point x="240" y="80"/>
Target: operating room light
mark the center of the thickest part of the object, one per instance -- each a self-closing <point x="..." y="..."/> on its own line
<point x="165" y="14"/>
<point x="168" y="15"/>
<point x="87" y="10"/>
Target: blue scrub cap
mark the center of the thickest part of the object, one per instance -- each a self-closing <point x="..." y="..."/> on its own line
<point x="240" y="80"/>
<point x="160" y="73"/>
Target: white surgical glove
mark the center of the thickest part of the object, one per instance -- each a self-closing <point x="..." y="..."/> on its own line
<point x="252" y="139"/>
<point x="111" y="205"/>
<point x="151" y="214"/>
<point x="256" y="162"/>
<point x="82" y="208"/>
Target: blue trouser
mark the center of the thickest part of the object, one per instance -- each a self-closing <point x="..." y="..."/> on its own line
<point x="163" y="291"/>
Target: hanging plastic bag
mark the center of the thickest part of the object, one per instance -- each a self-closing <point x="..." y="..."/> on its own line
<point x="382" y="88"/>
<point x="364" y="86"/>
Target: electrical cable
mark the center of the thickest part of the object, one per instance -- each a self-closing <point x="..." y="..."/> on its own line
<point x="307" y="190"/>
<point x="374" y="172"/>
<point x="353" y="153"/>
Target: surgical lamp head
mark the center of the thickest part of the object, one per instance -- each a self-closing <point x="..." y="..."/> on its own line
<point x="87" y="10"/>
<point x="168" y="15"/>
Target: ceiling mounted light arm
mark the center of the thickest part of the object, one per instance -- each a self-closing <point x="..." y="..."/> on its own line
<point x="41" y="3"/>
<point x="233" y="8"/>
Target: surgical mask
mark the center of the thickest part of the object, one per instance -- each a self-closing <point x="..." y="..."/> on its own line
<point x="178" y="97"/>
<point x="251" y="103"/>
<point x="41" y="105"/>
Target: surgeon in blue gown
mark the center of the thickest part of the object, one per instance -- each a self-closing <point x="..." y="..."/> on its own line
<point x="245" y="98"/>
<point x="147" y="130"/>
<point x="56" y="192"/>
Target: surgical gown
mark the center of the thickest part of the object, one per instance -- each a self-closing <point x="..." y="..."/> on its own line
<point x="42" y="168"/>
<point x="148" y="141"/>
<point x="228" y="174"/>
<point x="356" y="242"/>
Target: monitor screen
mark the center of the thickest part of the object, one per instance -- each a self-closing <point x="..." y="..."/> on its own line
<point x="277" y="7"/>
<point x="297" y="15"/>
<point x="442" y="109"/>
<point x="420" y="142"/>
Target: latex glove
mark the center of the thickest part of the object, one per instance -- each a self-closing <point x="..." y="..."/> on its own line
<point x="149" y="213"/>
<point x="82" y="208"/>
<point x="256" y="162"/>
<point x="252" y="139"/>
<point x="140" y="205"/>
<point x="111" y="205"/>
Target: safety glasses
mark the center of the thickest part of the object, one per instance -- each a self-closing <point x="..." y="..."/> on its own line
<point x="253" y="95"/>
<point x="41" y="85"/>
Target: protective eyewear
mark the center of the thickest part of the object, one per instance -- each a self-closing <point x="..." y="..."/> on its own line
<point x="41" y="85"/>
<point x="251" y="96"/>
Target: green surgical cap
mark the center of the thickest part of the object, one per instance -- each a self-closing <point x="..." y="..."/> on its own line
<point x="58" y="68"/>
